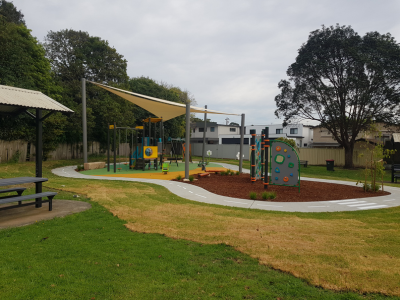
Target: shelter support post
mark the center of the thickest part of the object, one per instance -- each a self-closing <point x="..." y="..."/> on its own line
<point x="115" y="150"/>
<point x="204" y="135"/>
<point x="187" y="139"/>
<point x="241" y="145"/>
<point x="108" y="148"/>
<point x="84" y="125"/>
<point x="39" y="154"/>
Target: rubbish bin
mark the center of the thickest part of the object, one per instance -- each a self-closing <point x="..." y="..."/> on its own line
<point x="330" y="163"/>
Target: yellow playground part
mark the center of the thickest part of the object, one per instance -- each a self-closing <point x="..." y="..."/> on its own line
<point x="165" y="168"/>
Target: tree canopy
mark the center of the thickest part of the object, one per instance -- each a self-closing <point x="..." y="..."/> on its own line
<point x="10" y="13"/>
<point x="74" y="55"/>
<point x="344" y="81"/>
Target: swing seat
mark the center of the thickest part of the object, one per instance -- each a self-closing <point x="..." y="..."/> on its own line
<point x="165" y="168"/>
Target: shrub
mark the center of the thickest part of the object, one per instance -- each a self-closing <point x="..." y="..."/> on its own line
<point x="264" y="195"/>
<point x="179" y="177"/>
<point x="15" y="157"/>
<point x="191" y="178"/>
<point x="253" y="195"/>
<point x="80" y="167"/>
<point x="272" y="195"/>
<point x="237" y="173"/>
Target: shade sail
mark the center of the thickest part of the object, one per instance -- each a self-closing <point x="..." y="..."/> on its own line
<point x="14" y="100"/>
<point x="161" y="108"/>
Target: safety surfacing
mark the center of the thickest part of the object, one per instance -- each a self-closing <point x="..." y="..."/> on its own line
<point x="175" y="170"/>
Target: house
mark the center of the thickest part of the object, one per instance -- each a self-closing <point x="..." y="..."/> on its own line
<point x="230" y="134"/>
<point x="323" y="138"/>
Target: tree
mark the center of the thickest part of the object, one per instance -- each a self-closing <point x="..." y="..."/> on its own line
<point x="74" y="55"/>
<point x="344" y="81"/>
<point x="10" y="13"/>
<point x="23" y="64"/>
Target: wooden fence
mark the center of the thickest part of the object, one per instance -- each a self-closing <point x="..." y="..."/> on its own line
<point x="314" y="156"/>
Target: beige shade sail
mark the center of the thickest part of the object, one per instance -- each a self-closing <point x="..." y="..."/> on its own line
<point x="161" y="108"/>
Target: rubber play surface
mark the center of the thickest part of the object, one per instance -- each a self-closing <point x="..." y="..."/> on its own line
<point x="174" y="171"/>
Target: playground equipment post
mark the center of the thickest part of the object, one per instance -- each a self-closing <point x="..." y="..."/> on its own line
<point x="266" y="154"/>
<point x="241" y="144"/>
<point x="253" y="155"/>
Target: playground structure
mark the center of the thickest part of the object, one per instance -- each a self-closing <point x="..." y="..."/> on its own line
<point x="147" y="149"/>
<point x="277" y="157"/>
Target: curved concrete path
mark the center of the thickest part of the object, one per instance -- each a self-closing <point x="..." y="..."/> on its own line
<point x="195" y="193"/>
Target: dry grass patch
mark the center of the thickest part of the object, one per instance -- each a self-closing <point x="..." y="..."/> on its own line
<point x="339" y="254"/>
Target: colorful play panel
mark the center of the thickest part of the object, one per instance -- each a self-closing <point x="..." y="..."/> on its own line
<point x="174" y="171"/>
<point x="285" y="167"/>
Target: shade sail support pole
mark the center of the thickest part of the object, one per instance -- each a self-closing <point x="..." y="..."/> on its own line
<point x="204" y="136"/>
<point x="84" y="123"/>
<point x="187" y="139"/>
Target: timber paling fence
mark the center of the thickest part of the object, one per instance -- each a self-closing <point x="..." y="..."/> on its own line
<point x="314" y="156"/>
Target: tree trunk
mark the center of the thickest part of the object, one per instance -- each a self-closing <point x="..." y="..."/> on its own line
<point x="348" y="157"/>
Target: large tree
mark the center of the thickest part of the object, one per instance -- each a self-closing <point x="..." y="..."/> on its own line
<point x="10" y="13"/>
<point x="344" y="81"/>
<point x="23" y="64"/>
<point x="74" y="55"/>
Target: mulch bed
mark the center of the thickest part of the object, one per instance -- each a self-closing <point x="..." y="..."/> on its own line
<point x="240" y="186"/>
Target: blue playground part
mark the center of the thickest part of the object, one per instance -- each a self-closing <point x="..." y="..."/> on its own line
<point x="139" y="152"/>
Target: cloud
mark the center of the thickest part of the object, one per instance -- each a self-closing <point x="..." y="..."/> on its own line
<point x="229" y="54"/>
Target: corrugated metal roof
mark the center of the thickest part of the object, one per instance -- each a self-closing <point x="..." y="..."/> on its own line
<point x="396" y="137"/>
<point x="14" y="99"/>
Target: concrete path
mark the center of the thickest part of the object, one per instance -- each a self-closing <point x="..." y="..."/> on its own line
<point x="195" y="193"/>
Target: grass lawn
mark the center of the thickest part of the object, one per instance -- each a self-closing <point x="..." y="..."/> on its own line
<point x="179" y="249"/>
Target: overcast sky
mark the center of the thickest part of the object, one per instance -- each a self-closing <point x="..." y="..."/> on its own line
<point x="229" y="54"/>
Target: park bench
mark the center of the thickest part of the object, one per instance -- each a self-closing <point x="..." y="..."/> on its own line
<point x="395" y="172"/>
<point x="216" y="171"/>
<point x="19" y="198"/>
<point x="203" y="174"/>
<point x="49" y="195"/>
<point x="304" y="163"/>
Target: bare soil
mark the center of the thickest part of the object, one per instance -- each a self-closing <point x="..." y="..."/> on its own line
<point x="240" y="186"/>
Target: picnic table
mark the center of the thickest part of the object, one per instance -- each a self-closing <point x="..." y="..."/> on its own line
<point x="19" y="197"/>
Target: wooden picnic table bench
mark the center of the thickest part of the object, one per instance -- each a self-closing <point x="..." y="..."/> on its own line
<point x="19" y="198"/>
<point x="304" y="163"/>
<point x="395" y="172"/>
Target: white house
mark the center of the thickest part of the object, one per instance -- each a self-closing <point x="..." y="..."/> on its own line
<point x="230" y="134"/>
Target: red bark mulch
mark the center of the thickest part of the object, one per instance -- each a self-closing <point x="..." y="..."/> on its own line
<point x="240" y="186"/>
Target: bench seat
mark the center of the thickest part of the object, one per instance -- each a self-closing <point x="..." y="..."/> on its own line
<point x="19" y="190"/>
<point x="203" y="174"/>
<point x="304" y="163"/>
<point x="49" y="195"/>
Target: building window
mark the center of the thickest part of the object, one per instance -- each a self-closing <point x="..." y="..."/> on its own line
<point x="279" y="131"/>
<point x="201" y="129"/>
<point x="194" y="130"/>
<point x="232" y="129"/>
<point x="294" y="131"/>
<point x="212" y="129"/>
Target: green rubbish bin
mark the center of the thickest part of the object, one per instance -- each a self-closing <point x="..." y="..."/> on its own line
<point x="330" y="163"/>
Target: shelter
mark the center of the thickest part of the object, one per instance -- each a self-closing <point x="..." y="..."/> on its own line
<point x="15" y="101"/>
<point x="163" y="109"/>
